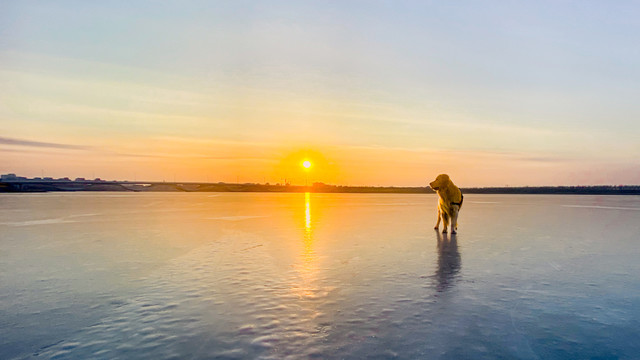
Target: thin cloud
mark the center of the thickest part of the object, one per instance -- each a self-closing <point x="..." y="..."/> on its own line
<point x="547" y="159"/>
<point x="190" y="156"/>
<point x="40" y="144"/>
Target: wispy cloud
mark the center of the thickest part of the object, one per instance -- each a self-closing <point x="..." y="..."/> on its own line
<point x="191" y="156"/>
<point x="40" y="144"/>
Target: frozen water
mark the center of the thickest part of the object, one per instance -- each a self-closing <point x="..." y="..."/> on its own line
<point x="175" y="275"/>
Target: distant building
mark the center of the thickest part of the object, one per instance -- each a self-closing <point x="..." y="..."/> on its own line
<point x="11" y="177"/>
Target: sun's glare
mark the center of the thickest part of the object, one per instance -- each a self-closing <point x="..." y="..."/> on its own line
<point x="306" y="164"/>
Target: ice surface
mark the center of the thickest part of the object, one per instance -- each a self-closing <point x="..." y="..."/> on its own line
<point x="155" y="276"/>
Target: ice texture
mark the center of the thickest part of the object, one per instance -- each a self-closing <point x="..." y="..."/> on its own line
<point x="331" y="276"/>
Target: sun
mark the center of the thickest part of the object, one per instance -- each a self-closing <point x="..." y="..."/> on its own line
<point x="306" y="164"/>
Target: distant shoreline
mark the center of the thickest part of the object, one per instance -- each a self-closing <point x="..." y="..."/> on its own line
<point x="32" y="185"/>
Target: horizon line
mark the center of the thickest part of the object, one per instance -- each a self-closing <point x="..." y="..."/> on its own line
<point x="315" y="184"/>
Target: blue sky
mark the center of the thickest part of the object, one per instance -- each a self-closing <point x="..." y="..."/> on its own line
<point x="537" y="92"/>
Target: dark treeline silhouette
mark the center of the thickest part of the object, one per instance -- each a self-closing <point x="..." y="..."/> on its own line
<point x="560" y="190"/>
<point x="43" y="185"/>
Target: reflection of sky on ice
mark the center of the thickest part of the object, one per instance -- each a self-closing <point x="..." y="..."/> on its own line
<point x="326" y="275"/>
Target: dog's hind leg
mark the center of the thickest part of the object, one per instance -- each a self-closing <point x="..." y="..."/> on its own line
<point x="455" y="209"/>
<point x="438" y="223"/>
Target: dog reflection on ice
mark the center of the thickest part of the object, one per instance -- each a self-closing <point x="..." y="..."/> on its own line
<point x="448" y="261"/>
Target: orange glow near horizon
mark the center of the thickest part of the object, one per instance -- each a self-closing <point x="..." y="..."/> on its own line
<point x="196" y="159"/>
<point x="307" y="166"/>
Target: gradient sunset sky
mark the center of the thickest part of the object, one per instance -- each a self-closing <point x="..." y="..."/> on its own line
<point x="372" y="92"/>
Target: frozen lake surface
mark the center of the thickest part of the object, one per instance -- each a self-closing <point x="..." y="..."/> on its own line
<point x="249" y="275"/>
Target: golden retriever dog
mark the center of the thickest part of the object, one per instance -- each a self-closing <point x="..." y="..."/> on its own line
<point x="449" y="203"/>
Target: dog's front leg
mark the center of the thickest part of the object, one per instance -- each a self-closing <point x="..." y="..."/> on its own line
<point x="438" y="223"/>
<point x="445" y="221"/>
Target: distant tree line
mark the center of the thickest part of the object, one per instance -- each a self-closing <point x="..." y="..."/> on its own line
<point x="560" y="190"/>
<point x="43" y="185"/>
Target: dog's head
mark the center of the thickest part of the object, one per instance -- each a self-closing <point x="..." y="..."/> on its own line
<point x="440" y="182"/>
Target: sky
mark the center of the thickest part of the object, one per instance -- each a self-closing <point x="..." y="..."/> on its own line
<point x="493" y="93"/>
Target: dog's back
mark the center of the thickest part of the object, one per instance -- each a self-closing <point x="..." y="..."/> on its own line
<point x="449" y="195"/>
